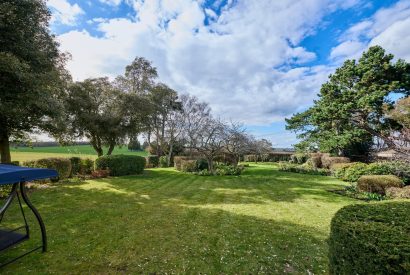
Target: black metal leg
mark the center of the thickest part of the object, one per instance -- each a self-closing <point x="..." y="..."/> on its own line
<point x="36" y="213"/>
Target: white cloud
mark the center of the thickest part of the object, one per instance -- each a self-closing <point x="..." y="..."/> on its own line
<point x="388" y="27"/>
<point x="111" y="2"/>
<point x="63" y="12"/>
<point x="236" y="63"/>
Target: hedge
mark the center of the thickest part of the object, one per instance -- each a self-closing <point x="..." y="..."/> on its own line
<point x="61" y="165"/>
<point x="178" y="160"/>
<point x="270" y="157"/>
<point x="371" y="239"/>
<point x="163" y="161"/>
<point x="151" y="161"/>
<point x="327" y="162"/>
<point x="398" y="193"/>
<point x="120" y="165"/>
<point x="189" y="165"/>
<point x="378" y="183"/>
<point x="81" y="166"/>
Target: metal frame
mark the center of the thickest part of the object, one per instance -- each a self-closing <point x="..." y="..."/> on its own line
<point x="16" y="189"/>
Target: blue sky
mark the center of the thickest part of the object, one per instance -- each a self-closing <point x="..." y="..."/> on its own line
<point x="256" y="62"/>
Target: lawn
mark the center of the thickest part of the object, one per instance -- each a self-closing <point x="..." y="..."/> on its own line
<point x="164" y="221"/>
<point x="84" y="151"/>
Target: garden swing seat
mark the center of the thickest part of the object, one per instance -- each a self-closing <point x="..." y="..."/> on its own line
<point x="18" y="177"/>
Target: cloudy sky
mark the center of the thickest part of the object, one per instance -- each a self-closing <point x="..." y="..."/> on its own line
<point x="254" y="61"/>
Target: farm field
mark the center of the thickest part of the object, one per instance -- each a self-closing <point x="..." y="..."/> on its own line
<point x="164" y="221"/>
<point x="84" y="151"/>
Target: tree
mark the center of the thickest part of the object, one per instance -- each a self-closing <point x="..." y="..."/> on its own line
<point x="350" y="106"/>
<point x="260" y="147"/>
<point x="209" y="139"/>
<point x="97" y="110"/>
<point x="237" y="141"/>
<point x="31" y="71"/>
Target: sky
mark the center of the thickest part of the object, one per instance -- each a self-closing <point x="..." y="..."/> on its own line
<point x="254" y="61"/>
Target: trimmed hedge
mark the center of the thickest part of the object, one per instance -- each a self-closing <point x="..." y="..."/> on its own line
<point x="398" y="193"/>
<point x="163" y="161"/>
<point x="303" y="169"/>
<point x="151" y="161"/>
<point x="327" y="162"/>
<point x="178" y="160"/>
<point x="120" y="165"/>
<point x="189" y="166"/>
<point x="61" y="165"/>
<point x="270" y="157"/>
<point x="81" y="166"/>
<point x="378" y="183"/>
<point x="371" y="239"/>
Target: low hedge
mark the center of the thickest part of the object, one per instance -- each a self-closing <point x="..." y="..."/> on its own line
<point x="371" y="239"/>
<point x="189" y="165"/>
<point x="81" y="166"/>
<point x="178" y="160"/>
<point x="120" y="165"/>
<point x="61" y="165"/>
<point x="151" y="161"/>
<point x="378" y="183"/>
<point x="327" y="162"/>
<point x="398" y="193"/>
<point x="303" y="169"/>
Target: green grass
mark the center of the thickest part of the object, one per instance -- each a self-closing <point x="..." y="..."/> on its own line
<point x="164" y="221"/>
<point x="85" y="151"/>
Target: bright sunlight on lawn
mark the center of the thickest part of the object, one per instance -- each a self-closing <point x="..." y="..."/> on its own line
<point x="165" y="221"/>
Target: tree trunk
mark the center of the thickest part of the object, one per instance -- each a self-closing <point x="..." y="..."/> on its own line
<point x="5" y="148"/>
<point x="171" y="147"/>
<point x="96" y="143"/>
<point x="211" y="165"/>
<point x="111" y="148"/>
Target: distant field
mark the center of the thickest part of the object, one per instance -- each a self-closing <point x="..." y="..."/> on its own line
<point x="85" y="151"/>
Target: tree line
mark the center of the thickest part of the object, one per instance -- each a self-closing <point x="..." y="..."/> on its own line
<point x="39" y="95"/>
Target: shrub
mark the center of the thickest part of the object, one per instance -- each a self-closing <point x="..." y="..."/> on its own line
<point x="178" y="161"/>
<point x="370" y="239"/>
<point x="86" y="166"/>
<point x="300" y="158"/>
<point x="303" y="169"/>
<point x="75" y="165"/>
<point x="315" y="160"/>
<point x="151" y="161"/>
<point x="355" y="171"/>
<point x="378" y="183"/>
<point x="338" y="169"/>
<point x="189" y="166"/>
<point x="327" y="162"/>
<point x="223" y="170"/>
<point x="163" y="161"/>
<point x="61" y="165"/>
<point x="378" y="168"/>
<point x="120" y="165"/>
<point x="97" y="174"/>
<point x="400" y="169"/>
<point x="202" y="164"/>
<point x="398" y="193"/>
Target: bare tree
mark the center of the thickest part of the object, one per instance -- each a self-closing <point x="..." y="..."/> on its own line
<point x="237" y="141"/>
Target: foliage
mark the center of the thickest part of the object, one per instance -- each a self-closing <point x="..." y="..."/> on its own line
<point x="32" y="73"/>
<point x="151" y="161"/>
<point x="328" y="161"/>
<point x="315" y="160"/>
<point x="398" y="193"/>
<point x="378" y="183"/>
<point x="86" y="166"/>
<point x="299" y="158"/>
<point x="61" y="165"/>
<point x="97" y="174"/>
<point x="303" y="169"/>
<point x="400" y="169"/>
<point x="353" y="172"/>
<point x="351" y="105"/>
<point x="228" y="170"/>
<point x="75" y="165"/>
<point x="189" y="166"/>
<point x="163" y="161"/>
<point x="134" y="145"/>
<point x="370" y="239"/>
<point x="338" y="170"/>
<point x="120" y="165"/>
<point x="178" y="161"/>
<point x="202" y="164"/>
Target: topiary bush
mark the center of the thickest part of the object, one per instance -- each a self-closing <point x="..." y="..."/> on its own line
<point x="378" y="183"/>
<point x="151" y="161"/>
<point x="371" y="239"/>
<point x="120" y="165"/>
<point x="328" y="161"/>
<point x="189" y="166"/>
<point x="61" y="165"/>
<point x="163" y="161"/>
<point x="398" y="193"/>
<point x="178" y="161"/>
<point x="86" y="166"/>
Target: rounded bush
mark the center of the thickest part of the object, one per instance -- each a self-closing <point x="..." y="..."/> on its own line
<point x="163" y="161"/>
<point x="371" y="239"/>
<point x="61" y="165"/>
<point x="355" y="171"/>
<point x="398" y="193"/>
<point x="202" y="164"/>
<point x="151" y="161"/>
<point x="378" y="183"/>
<point x="120" y="165"/>
<point x="327" y="162"/>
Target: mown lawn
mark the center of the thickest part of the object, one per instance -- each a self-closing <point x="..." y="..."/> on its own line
<point x="164" y="221"/>
<point x="84" y="151"/>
